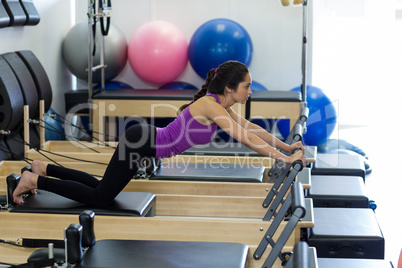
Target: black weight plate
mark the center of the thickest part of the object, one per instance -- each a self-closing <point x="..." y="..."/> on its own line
<point x="39" y="76"/>
<point x="11" y="99"/>
<point x="27" y="84"/>
<point x="4" y="18"/>
<point x="33" y="17"/>
<point x="15" y="12"/>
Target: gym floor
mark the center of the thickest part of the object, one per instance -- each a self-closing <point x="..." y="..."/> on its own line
<point x="383" y="185"/>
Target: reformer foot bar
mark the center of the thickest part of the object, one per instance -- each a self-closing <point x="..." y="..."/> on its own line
<point x="220" y="243"/>
<point x="141" y="203"/>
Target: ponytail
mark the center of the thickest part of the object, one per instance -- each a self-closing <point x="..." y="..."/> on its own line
<point x="200" y="93"/>
<point x="229" y="74"/>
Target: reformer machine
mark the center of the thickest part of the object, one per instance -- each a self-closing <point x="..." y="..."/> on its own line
<point x="141" y="203"/>
<point x="227" y="250"/>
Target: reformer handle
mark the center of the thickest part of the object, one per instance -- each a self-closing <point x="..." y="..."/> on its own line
<point x="26" y="168"/>
<point x="12" y="182"/>
<point x="298" y="202"/>
<point x="300" y="257"/>
<point x="73" y="236"/>
<point x="298" y="165"/>
<point x="87" y="218"/>
<point x="298" y="133"/>
<point x="304" y="114"/>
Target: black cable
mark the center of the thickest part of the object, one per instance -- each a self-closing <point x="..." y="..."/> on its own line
<point x="36" y="149"/>
<point x="72" y="158"/>
<point x="84" y="130"/>
<point x="68" y="136"/>
<point x="14" y="155"/>
<point x="77" y="159"/>
<point x="81" y="128"/>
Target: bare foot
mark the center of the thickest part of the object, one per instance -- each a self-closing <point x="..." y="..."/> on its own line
<point x="39" y="168"/>
<point x="28" y="182"/>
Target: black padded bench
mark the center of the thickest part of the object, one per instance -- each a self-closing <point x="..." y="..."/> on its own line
<point x="209" y="172"/>
<point x="338" y="191"/>
<point x="304" y="256"/>
<point x="339" y="164"/>
<point x="355" y="263"/>
<point x="167" y="254"/>
<point x="346" y="233"/>
<point x="136" y="204"/>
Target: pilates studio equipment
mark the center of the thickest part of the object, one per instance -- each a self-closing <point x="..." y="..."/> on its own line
<point x="18" y="13"/>
<point x="23" y="86"/>
<point x="141" y="203"/>
<point x="212" y="230"/>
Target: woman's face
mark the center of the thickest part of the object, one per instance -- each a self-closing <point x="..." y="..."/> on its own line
<point x="243" y="90"/>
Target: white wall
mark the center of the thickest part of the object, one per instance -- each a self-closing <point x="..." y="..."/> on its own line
<point x="357" y="59"/>
<point x="44" y="41"/>
<point x="276" y="33"/>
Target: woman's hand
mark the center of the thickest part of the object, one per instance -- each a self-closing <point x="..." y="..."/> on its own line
<point x="296" y="156"/>
<point x="296" y="146"/>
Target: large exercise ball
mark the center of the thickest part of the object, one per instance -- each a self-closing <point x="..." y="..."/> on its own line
<point x="75" y="52"/>
<point x="216" y="42"/>
<point x="322" y="117"/>
<point x="110" y="85"/>
<point x="257" y="86"/>
<point x="178" y="85"/>
<point x="157" y="52"/>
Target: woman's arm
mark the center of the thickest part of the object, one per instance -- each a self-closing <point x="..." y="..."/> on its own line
<point x="262" y="133"/>
<point x="260" y="143"/>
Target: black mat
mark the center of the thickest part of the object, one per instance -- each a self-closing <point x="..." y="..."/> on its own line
<point x="125" y="204"/>
<point x="166" y="254"/>
<point x="215" y="171"/>
<point x="346" y="233"/>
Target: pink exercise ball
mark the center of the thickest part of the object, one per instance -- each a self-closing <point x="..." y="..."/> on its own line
<point x="157" y="52"/>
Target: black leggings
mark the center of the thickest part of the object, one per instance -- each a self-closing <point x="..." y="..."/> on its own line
<point x="137" y="143"/>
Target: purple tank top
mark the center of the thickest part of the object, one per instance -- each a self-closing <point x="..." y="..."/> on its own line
<point x="183" y="133"/>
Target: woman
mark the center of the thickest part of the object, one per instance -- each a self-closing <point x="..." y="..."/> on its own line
<point x="226" y="85"/>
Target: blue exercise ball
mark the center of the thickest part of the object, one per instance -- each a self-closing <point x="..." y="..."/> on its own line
<point x="113" y="85"/>
<point x="178" y="85"/>
<point x="54" y="129"/>
<point x="322" y="117"/>
<point x="216" y="42"/>
<point x="257" y="86"/>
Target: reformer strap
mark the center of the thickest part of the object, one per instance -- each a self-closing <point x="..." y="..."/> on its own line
<point x="295" y="201"/>
<point x="105" y="8"/>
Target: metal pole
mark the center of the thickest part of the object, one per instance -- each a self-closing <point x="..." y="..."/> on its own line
<point x="304" y="58"/>
<point x="91" y="7"/>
